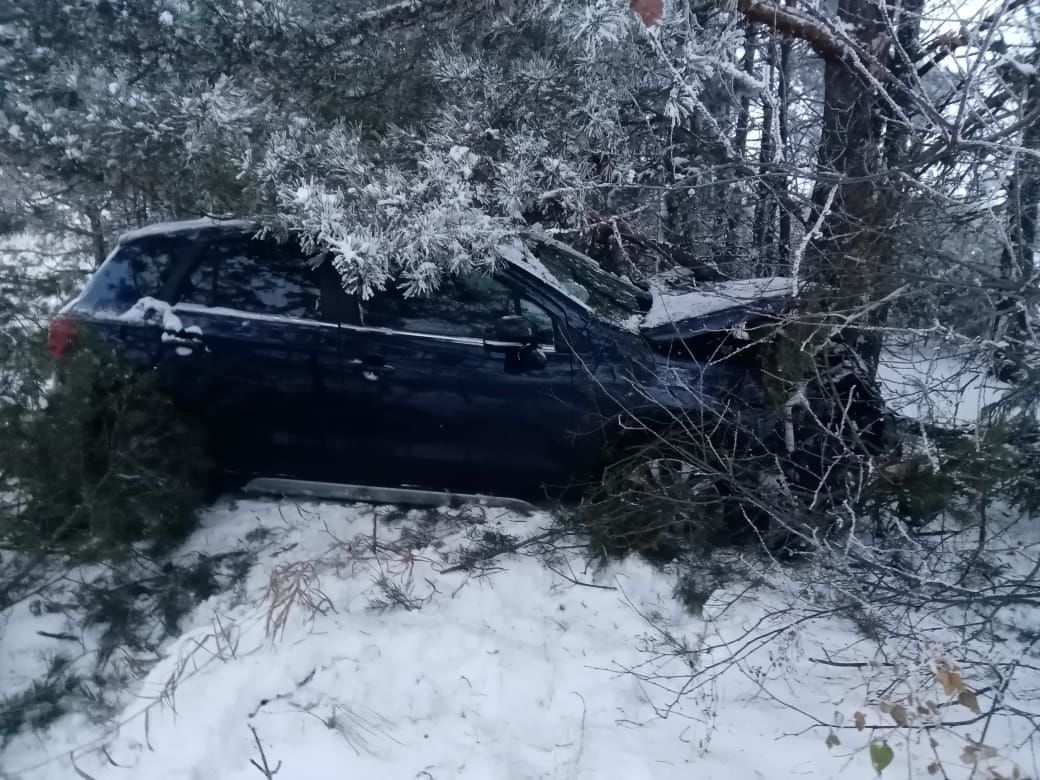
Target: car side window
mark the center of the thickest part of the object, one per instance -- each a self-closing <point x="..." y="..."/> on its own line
<point x="270" y="278"/>
<point x="255" y="277"/>
<point x="150" y="264"/>
<point x="137" y="270"/>
<point x="540" y="319"/>
<point x="464" y="305"/>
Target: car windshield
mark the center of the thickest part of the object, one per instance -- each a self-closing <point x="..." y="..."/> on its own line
<point x="607" y="295"/>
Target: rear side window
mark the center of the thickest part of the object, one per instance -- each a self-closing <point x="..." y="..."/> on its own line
<point x="262" y="276"/>
<point x="138" y="270"/>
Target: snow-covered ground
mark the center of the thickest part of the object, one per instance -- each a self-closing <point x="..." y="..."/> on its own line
<point x="940" y="385"/>
<point x="349" y="663"/>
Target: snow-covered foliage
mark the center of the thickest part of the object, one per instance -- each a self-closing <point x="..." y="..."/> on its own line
<point x="409" y="138"/>
<point x="382" y="223"/>
<point x="405" y="153"/>
<point x="529" y="128"/>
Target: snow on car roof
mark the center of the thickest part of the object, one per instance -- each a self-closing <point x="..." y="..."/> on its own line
<point x="186" y="226"/>
<point x="715" y="297"/>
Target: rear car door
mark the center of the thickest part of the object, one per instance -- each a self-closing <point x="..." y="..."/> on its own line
<point x="458" y="409"/>
<point x="253" y="346"/>
<point x="113" y="301"/>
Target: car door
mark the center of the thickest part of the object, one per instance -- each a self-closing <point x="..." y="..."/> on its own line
<point x="459" y="409"/>
<point x="116" y="299"/>
<point x="253" y="346"/>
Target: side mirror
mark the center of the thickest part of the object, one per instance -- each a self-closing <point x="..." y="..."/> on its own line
<point x="514" y="336"/>
<point x="511" y="332"/>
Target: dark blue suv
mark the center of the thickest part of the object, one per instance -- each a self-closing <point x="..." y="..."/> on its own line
<point x="507" y="382"/>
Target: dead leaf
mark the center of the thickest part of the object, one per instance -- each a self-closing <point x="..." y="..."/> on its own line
<point x="650" y="11"/>
<point x="898" y="714"/>
<point x="860" y="720"/>
<point x="933" y="768"/>
<point x="974" y="753"/>
<point x="969" y="700"/>
<point x="832" y="740"/>
<point x="950" y="681"/>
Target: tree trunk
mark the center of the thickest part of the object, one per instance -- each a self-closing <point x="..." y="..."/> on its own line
<point x="744" y="117"/>
<point x="97" y="236"/>
<point x="851" y="258"/>
<point x="847" y="160"/>
<point x="739" y="190"/>
<point x="1024" y="190"/>
<point x="783" y="90"/>
<point x="1017" y="260"/>
<point x="765" y="205"/>
<point x="906" y="19"/>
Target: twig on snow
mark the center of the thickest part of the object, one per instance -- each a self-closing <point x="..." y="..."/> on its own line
<point x="263" y="767"/>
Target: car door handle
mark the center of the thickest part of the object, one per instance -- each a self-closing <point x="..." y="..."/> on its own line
<point x="372" y="368"/>
<point x="184" y="342"/>
<point x="182" y="339"/>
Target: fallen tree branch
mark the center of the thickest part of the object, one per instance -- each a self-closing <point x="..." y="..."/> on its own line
<point x="789" y="22"/>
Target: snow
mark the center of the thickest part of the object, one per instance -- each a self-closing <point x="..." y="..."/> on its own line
<point x="147" y="309"/>
<point x="714" y="298"/>
<point x="1025" y="68"/>
<point x="928" y="383"/>
<point x="186" y="226"/>
<point x="519" y="673"/>
<point x="392" y="8"/>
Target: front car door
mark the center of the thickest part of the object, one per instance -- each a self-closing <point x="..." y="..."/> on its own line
<point x="458" y="409"/>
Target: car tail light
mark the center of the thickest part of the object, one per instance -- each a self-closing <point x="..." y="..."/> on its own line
<point x="62" y="333"/>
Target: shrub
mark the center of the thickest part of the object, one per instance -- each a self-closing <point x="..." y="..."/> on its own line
<point x="957" y="473"/>
<point x="97" y="465"/>
<point x="42" y="702"/>
<point x="105" y="462"/>
<point x="771" y="473"/>
<point x="670" y="494"/>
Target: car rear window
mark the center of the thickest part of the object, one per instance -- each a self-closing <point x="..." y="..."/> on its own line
<point x="134" y="271"/>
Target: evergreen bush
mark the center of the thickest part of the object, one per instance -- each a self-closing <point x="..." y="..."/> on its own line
<point x="103" y="462"/>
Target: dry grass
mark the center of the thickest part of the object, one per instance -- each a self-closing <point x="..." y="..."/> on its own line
<point x="292" y="586"/>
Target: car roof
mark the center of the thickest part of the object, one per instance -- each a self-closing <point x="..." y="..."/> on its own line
<point x="238" y="226"/>
<point x="515" y="255"/>
<point x="190" y="226"/>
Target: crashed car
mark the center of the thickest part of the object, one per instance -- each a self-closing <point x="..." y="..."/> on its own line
<point x="513" y="382"/>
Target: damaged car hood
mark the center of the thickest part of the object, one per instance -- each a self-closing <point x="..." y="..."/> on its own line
<point x="714" y="307"/>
